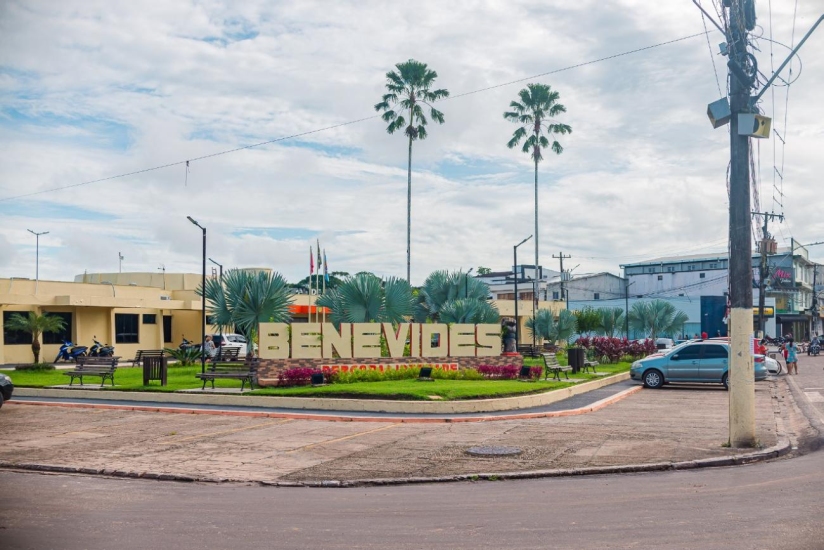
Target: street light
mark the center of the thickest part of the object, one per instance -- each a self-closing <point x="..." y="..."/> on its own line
<point x="37" y="261"/>
<point x="220" y="266"/>
<point x="120" y="259"/>
<point x="203" y="301"/>
<point x="515" y="272"/>
<point x="627" y="284"/>
<point x="466" y="282"/>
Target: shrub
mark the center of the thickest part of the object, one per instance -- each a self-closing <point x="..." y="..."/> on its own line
<point x="300" y="376"/>
<point x="504" y="372"/>
<point x="613" y="349"/>
<point x="35" y="366"/>
<point x="185" y="356"/>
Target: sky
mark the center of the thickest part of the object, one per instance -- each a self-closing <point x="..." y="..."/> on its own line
<point x="93" y="89"/>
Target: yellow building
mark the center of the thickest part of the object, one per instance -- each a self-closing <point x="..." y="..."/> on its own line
<point x="131" y="311"/>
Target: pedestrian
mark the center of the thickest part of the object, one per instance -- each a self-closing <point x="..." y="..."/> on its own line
<point x="209" y="347"/>
<point x="704" y="336"/>
<point x="792" y="357"/>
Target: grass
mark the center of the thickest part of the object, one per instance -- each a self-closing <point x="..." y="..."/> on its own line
<point x="180" y="378"/>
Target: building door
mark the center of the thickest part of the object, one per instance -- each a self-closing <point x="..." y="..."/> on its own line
<point x="167" y="329"/>
<point x="713" y="309"/>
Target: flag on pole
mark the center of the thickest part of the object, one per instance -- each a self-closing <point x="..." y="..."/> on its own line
<point x="325" y="268"/>
<point x="319" y="261"/>
<point x="311" y="261"/>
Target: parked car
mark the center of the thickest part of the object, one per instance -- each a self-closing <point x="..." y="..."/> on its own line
<point x="6" y="388"/>
<point x="227" y="341"/>
<point x="696" y="361"/>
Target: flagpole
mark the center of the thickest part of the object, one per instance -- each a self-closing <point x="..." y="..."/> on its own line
<point x="311" y="287"/>
<point x="325" y="270"/>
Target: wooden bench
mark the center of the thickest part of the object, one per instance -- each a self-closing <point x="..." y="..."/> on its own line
<point x="103" y="367"/>
<point x="143" y="353"/>
<point x="590" y="365"/>
<point x="528" y="350"/>
<point x="226" y="355"/>
<point x="551" y="365"/>
<point x="245" y="372"/>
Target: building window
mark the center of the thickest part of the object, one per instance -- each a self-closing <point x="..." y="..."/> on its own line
<point x="149" y="319"/>
<point x="556" y="295"/>
<point x="712" y="266"/>
<point x="167" y="329"/>
<point x="650" y="270"/>
<point x="14" y="336"/>
<point x="702" y="275"/>
<point x="660" y="277"/>
<point x="690" y="267"/>
<point x="65" y="334"/>
<point x="597" y="296"/>
<point x="126" y="330"/>
<point x="670" y="269"/>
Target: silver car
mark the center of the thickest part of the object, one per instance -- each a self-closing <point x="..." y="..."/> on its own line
<point x="697" y="361"/>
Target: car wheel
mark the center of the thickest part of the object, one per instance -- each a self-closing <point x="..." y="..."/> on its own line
<point x="726" y="381"/>
<point x="778" y="371"/>
<point x="1" y="400"/>
<point x="653" y="379"/>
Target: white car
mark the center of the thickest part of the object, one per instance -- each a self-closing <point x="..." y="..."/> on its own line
<point x="229" y="341"/>
<point x="773" y="366"/>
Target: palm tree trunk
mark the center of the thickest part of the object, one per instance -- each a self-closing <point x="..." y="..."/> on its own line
<point x="409" y="213"/>
<point x="535" y="279"/>
<point x="35" y="347"/>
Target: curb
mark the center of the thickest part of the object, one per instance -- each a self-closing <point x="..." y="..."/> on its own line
<point x="342" y="418"/>
<point x="782" y="448"/>
<point x="337" y="405"/>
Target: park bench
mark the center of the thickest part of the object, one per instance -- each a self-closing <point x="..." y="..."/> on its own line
<point x="245" y="372"/>
<point x="103" y="367"/>
<point x="225" y="355"/>
<point x="551" y="365"/>
<point x="590" y="365"/>
<point x="528" y="350"/>
<point x="143" y="353"/>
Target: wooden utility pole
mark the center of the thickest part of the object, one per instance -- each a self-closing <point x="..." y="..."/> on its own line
<point x="762" y="284"/>
<point x="741" y="368"/>
<point x="561" y="257"/>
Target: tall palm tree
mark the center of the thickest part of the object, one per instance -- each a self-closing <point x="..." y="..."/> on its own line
<point x="408" y="88"/>
<point x="611" y="319"/>
<point x="535" y="111"/>
<point x="245" y="299"/>
<point x="35" y="325"/>
<point x="364" y="298"/>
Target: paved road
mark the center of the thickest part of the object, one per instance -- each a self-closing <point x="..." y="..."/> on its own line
<point x="773" y="505"/>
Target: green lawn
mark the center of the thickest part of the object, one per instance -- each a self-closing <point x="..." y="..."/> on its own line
<point x="131" y="379"/>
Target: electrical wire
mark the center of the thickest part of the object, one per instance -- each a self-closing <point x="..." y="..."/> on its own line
<point x="342" y="124"/>
<point x="712" y="58"/>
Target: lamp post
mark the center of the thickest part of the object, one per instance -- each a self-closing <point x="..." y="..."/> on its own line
<point x="515" y="272"/>
<point x="466" y="282"/>
<point x="220" y="266"/>
<point x="203" y="300"/>
<point x="627" y="284"/>
<point x="37" y="257"/>
<point x="120" y="259"/>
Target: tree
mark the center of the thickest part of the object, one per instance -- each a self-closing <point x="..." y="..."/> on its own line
<point x="587" y="320"/>
<point x="656" y="317"/>
<point x="35" y="325"/>
<point x="464" y="298"/>
<point x="483" y="270"/>
<point x="246" y="299"/>
<point x="544" y="325"/>
<point x="364" y="298"/>
<point x="408" y="88"/>
<point x="612" y="319"/>
<point x="335" y="280"/>
<point x="537" y="106"/>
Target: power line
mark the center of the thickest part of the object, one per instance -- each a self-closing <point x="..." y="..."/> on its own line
<point x="356" y="121"/>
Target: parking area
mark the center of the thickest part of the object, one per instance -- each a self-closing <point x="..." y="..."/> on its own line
<point x="671" y="424"/>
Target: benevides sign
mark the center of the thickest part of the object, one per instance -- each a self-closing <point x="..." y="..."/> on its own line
<point x="363" y="340"/>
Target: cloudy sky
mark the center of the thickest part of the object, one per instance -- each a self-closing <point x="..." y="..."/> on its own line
<point x="92" y="89"/>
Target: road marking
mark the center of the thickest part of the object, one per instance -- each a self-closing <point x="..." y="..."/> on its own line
<point x="341" y="438"/>
<point x="224" y="432"/>
<point x="814" y="396"/>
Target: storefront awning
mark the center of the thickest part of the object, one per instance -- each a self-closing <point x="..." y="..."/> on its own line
<point x="792" y="318"/>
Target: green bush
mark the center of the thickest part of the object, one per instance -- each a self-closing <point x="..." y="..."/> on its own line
<point x="36" y="366"/>
<point x="404" y="373"/>
<point x="187" y="356"/>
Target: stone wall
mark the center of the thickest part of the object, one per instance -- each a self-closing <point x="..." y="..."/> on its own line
<point x="270" y="368"/>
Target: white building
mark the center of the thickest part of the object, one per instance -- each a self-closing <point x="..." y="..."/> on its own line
<point x="502" y="283"/>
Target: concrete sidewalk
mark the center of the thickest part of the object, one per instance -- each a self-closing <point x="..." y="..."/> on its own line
<point x="649" y="429"/>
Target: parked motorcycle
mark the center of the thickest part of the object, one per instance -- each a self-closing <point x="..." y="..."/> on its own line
<point x="186" y="344"/>
<point x="70" y="352"/>
<point x="814" y="349"/>
<point x="100" y="350"/>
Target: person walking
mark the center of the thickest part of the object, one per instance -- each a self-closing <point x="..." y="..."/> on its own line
<point x="792" y="357"/>
<point x="209" y="347"/>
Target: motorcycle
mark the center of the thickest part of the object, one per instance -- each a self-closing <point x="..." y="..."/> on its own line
<point x="99" y="350"/>
<point x="70" y="352"/>
<point x="814" y="349"/>
<point x="186" y="344"/>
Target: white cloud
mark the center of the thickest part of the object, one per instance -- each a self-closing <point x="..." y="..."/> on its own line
<point x="94" y="89"/>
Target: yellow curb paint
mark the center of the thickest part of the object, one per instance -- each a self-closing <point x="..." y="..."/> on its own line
<point x="319" y="443"/>
<point x="225" y="432"/>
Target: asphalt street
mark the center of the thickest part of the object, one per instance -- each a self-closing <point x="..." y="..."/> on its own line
<point x="772" y="505"/>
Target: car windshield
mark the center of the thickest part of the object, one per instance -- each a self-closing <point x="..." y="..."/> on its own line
<point x="676" y="348"/>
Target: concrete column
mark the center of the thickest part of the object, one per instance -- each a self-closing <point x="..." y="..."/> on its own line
<point x="741" y="379"/>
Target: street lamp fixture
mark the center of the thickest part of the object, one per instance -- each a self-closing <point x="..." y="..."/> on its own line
<point x="203" y="300"/>
<point x="515" y="272"/>
<point x="37" y="257"/>
<point x="466" y="282"/>
<point x="220" y="266"/>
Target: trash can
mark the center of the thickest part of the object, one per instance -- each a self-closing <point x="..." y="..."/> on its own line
<point x="154" y="368"/>
<point x="576" y="356"/>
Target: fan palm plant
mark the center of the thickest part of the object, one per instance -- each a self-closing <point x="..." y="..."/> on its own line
<point x="535" y="111"/>
<point x="469" y="310"/>
<point x="245" y="299"/>
<point x="612" y="318"/>
<point x="35" y="325"/>
<point x="364" y="298"/>
<point x="656" y="317"/>
<point x="545" y="325"/>
<point x="442" y="288"/>
<point x="409" y="87"/>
